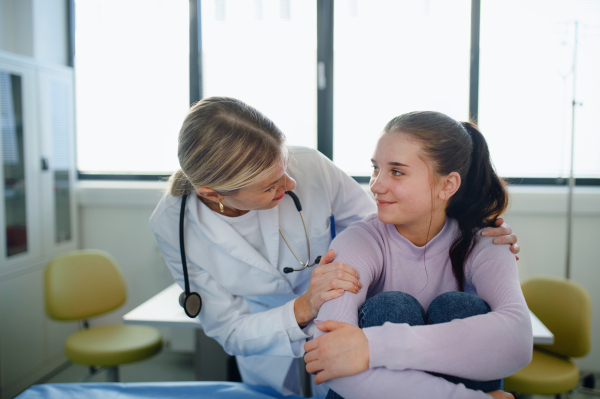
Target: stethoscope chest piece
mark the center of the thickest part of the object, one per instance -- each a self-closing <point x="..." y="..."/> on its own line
<point x="191" y="303"/>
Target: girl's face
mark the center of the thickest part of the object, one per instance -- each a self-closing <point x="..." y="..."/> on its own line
<point x="262" y="195"/>
<point x="402" y="182"/>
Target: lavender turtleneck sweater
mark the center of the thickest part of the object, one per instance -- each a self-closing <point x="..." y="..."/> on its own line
<point x="485" y="347"/>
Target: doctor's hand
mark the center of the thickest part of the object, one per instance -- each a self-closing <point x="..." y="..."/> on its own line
<point x="342" y="352"/>
<point x="503" y="234"/>
<point x="327" y="281"/>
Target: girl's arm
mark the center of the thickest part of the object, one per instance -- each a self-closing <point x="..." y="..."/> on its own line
<point x="360" y="243"/>
<point x="490" y="346"/>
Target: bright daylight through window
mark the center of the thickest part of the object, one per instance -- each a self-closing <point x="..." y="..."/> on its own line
<point x="132" y="83"/>
<point x="264" y="52"/>
<point x="532" y="53"/>
<point x="393" y="57"/>
<point x="390" y="57"/>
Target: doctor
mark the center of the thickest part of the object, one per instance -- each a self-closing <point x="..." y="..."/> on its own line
<point x="242" y="230"/>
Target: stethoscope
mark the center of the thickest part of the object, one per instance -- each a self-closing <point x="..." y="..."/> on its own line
<point x="191" y="301"/>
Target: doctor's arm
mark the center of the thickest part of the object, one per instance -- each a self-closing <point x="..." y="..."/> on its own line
<point x="328" y="280"/>
<point x="227" y="318"/>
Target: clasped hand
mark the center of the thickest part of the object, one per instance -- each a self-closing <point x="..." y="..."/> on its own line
<point x="343" y="351"/>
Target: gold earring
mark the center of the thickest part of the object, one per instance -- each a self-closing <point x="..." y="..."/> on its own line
<point x="221" y="207"/>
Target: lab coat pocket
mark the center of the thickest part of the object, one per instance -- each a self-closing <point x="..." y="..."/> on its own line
<point x="319" y="245"/>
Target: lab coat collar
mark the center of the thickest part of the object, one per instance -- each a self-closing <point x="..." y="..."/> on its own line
<point x="221" y="233"/>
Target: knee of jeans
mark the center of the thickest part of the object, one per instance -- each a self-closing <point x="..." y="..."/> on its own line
<point x="392" y="306"/>
<point x="455" y="305"/>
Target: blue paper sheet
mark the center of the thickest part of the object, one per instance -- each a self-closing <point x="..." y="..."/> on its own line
<point x="156" y="390"/>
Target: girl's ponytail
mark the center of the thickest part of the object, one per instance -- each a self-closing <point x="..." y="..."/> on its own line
<point x="482" y="197"/>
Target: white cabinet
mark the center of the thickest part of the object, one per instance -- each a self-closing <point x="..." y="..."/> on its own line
<point x="37" y="213"/>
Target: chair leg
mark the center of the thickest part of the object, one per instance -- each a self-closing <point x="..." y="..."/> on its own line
<point x="92" y="372"/>
<point x="112" y="374"/>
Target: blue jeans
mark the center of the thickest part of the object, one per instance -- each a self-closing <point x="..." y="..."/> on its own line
<point x="398" y="307"/>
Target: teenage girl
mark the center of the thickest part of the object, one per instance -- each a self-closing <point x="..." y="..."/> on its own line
<point x="441" y="313"/>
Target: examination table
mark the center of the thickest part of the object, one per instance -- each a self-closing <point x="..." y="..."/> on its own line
<point x="154" y="390"/>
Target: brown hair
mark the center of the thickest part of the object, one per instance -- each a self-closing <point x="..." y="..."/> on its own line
<point x="452" y="146"/>
<point x="225" y="144"/>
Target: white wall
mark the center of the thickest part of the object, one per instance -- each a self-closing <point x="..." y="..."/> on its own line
<point x="538" y="216"/>
<point x="114" y="217"/>
<point x="35" y="28"/>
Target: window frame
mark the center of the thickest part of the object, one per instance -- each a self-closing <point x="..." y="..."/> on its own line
<point x="325" y="82"/>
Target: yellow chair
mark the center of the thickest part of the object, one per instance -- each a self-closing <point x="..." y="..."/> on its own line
<point x="566" y="309"/>
<point x="87" y="283"/>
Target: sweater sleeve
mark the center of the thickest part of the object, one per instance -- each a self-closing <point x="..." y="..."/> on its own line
<point x="364" y="252"/>
<point x="490" y="346"/>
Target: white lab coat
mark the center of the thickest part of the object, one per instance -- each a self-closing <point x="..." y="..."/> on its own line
<point x="247" y="302"/>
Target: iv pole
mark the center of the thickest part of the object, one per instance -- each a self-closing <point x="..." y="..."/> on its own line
<point x="571" y="177"/>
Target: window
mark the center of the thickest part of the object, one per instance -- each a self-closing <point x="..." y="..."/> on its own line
<point x="264" y="52"/>
<point x="132" y="84"/>
<point x="392" y="58"/>
<point x="532" y="55"/>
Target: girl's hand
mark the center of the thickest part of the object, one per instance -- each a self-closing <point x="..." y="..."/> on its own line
<point x="501" y="395"/>
<point x="342" y="352"/>
<point x="327" y="281"/>
<point x="503" y="234"/>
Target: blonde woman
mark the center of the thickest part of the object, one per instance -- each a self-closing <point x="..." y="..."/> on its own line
<point x="235" y="170"/>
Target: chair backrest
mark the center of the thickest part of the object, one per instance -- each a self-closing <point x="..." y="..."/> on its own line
<point x="566" y="309"/>
<point x="83" y="284"/>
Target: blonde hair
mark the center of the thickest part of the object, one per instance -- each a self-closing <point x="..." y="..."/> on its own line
<point x="225" y="144"/>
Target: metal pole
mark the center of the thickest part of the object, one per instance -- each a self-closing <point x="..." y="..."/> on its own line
<point x="571" y="177"/>
<point x="474" y="60"/>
